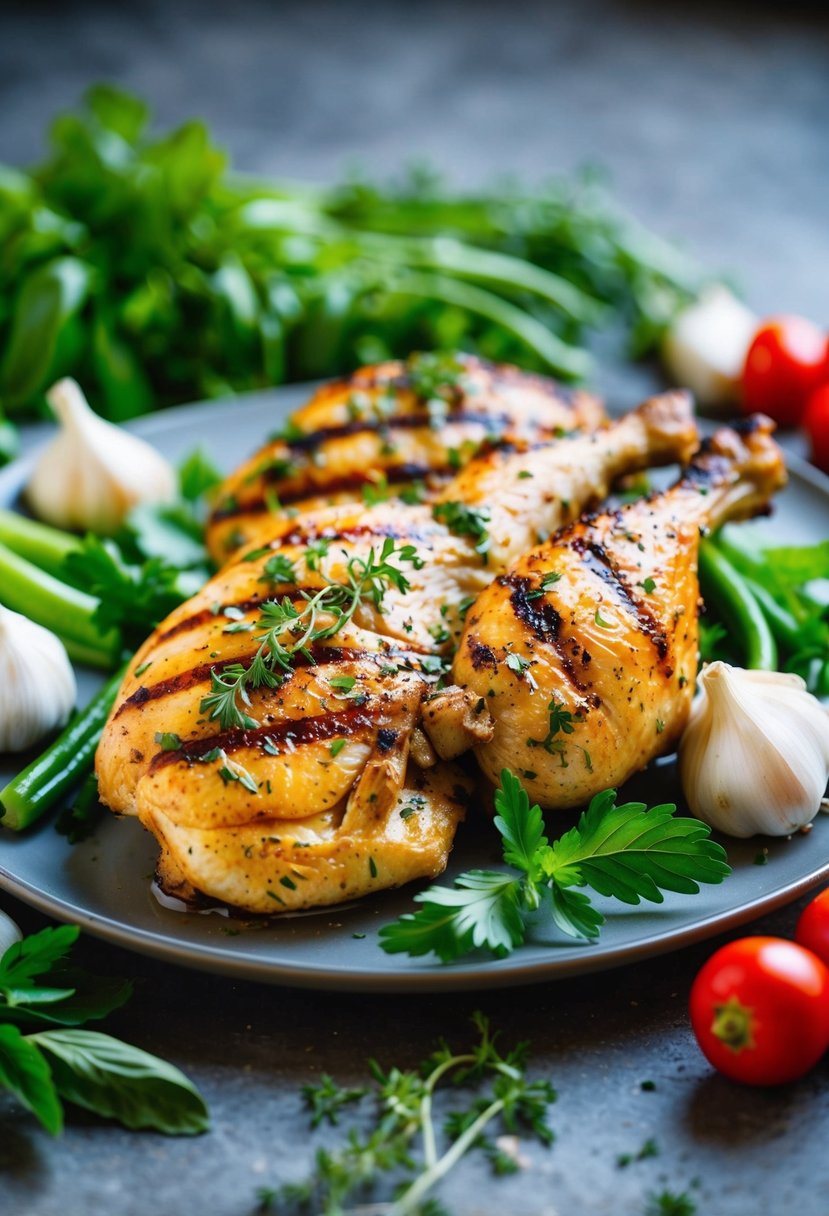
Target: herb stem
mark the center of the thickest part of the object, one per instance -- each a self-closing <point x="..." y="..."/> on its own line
<point x="430" y="1154"/>
<point x="432" y="1176"/>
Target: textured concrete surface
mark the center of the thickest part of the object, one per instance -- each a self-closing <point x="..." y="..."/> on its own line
<point x="712" y="122"/>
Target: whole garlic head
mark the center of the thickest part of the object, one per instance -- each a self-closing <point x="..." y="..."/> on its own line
<point x="754" y="757"/>
<point x="37" y="683"/>
<point x="93" y="473"/>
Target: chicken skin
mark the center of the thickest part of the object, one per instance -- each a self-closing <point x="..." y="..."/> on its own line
<point x="585" y="649"/>
<point x="332" y="776"/>
<point x="401" y="426"/>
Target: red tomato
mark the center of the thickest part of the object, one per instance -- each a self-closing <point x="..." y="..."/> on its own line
<point x="816" y="424"/>
<point x="788" y="359"/>
<point x="760" y="1010"/>
<point x="813" y="927"/>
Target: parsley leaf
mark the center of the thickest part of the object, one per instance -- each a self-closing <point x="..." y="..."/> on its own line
<point x="466" y="521"/>
<point x="624" y="852"/>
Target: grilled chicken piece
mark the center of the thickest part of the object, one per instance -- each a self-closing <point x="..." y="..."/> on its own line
<point x="328" y="751"/>
<point x="393" y="424"/>
<point x="603" y="623"/>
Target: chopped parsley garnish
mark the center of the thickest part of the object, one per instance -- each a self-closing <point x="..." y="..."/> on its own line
<point x="337" y="746"/>
<point x="167" y="741"/>
<point x="278" y="569"/>
<point x="466" y="521"/>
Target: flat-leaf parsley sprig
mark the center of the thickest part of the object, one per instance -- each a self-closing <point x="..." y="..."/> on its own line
<point x="285" y="630"/>
<point x="628" y="852"/>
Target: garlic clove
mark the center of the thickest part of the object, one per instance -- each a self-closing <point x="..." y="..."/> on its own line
<point x="93" y="472"/>
<point x="37" y="683"/>
<point x="754" y="757"/>
<point x="9" y="933"/>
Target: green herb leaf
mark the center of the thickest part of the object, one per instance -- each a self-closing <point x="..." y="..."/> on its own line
<point x="34" y="955"/>
<point x="481" y="910"/>
<point x="632" y="853"/>
<point x="25" y="1072"/>
<point x="628" y="853"/>
<point x="122" y="1082"/>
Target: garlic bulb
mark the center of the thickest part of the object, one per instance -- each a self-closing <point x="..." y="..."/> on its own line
<point x="93" y="472"/>
<point x="706" y="346"/>
<point x="9" y="933"/>
<point x="37" y="683"/>
<point x="755" y="754"/>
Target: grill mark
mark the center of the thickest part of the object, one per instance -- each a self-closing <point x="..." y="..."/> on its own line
<point x="304" y="536"/>
<point x="300" y="731"/>
<point x="200" y="674"/>
<point x="397" y="474"/>
<point x="396" y="422"/>
<point x="599" y="562"/>
<point x="481" y="655"/>
<point x="544" y="620"/>
<point x="204" y="615"/>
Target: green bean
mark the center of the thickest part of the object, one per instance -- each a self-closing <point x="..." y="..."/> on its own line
<point x="65" y="762"/>
<point x="725" y="589"/>
<point x="783" y="625"/>
<point x="557" y="355"/>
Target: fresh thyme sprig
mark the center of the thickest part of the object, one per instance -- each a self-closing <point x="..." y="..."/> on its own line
<point x="285" y="630"/>
<point x="625" y="852"/>
<point x="405" y="1139"/>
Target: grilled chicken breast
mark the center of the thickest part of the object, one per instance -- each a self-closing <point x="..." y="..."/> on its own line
<point x="323" y="783"/>
<point x="603" y="621"/>
<point x="405" y="426"/>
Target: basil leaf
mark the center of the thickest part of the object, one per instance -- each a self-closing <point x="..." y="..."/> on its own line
<point x="91" y="997"/>
<point x="121" y="1082"/>
<point x="24" y="1071"/>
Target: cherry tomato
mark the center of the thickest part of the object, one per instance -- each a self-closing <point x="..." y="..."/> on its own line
<point x="813" y="927"/>
<point x="788" y="359"/>
<point x="816" y="424"/>
<point x="760" y="1010"/>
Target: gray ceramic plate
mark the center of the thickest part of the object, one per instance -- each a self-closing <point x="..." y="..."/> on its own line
<point x="104" y="883"/>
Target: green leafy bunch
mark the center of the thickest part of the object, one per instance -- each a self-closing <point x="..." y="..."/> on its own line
<point x="138" y="263"/>
<point x="628" y="853"/>
<point x="57" y="1061"/>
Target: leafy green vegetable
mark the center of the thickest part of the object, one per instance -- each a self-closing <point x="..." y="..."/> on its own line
<point x="625" y="852"/>
<point x="140" y="265"/>
<point x="89" y="1069"/>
